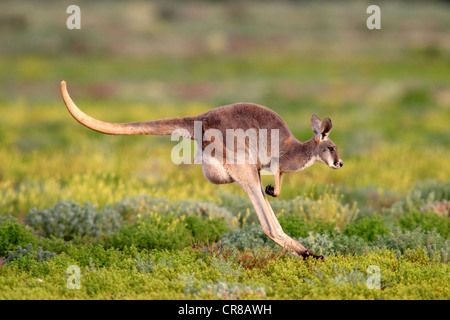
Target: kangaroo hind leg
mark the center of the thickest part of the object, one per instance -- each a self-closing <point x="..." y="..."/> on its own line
<point x="249" y="179"/>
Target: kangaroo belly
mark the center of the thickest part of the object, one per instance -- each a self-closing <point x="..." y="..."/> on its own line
<point x="215" y="172"/>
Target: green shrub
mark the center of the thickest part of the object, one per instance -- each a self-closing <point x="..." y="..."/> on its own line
<point x="401" y="240"/>
<point x="148" y="265"/>
<point x="39" y="255"/>
<point x="220" y="289"/>
<point x="132" y="207"/>
<point x="206" y="230"/>
<point x="68" y="219"/>
<point x="96" y="256"/>
<point x="439" y="189"/>
<point x="326" y="208"/>
<point x="333" y="243"/>
<point x="241" y="208"/>
<point x="167" y="231"/>
<point x="13" y="234"/>
<point x="250" y="237"/>
<point x="419" y="199"/>
<point x="439" y="253"/>
<point x="319" y="244"/>
<point x="367" y="228"/>
<point x="153" y="232"/>
<point x="349" y="244"/>
<point x="427" y="221"/>
<point x="398" y="240"/>
<point x="294" y="225"/>
<point x="142" y="205"/>
<point x="53" y="244"/>
<point x="205" y="210"/>
<point x="368" y="198"/>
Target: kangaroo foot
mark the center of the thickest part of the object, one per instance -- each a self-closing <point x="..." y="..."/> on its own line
<point x="269" y="190"/>
<point x="308" y="253"/>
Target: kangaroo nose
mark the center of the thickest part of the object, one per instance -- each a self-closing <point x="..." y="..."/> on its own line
<point x="340" y="164"/>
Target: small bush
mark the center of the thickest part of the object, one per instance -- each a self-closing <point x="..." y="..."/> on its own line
<point x="368" y="198"/>
<point x="206" y="230"/>
<point x="167" y="231"/>
<point x="319" y="244"/>
<point x="53" y="244"/>
<point x="250" y="237"/>
<point x="333" y="243"/>
<point x="154" y="232"/>
<point x="206" y="210"/>
<point x="367" y="228"/>
<point x="420" y="198"/>
<point x="132" y="207"/>
<point x="398" y="240"/>
<point x="439" y="189"/>
<point x="148" y="265"/>
<point x="295" y="226"/>
<point x="441" y="208"/>
<point x="220" y="289"/>
<point x="39" y="255"/>
<point x="13" y="234"/>
<point x="327" y="208"/>
<point x="427" y="221"/>
<point x="349" y="244"/>
<point x="142" y="205"/>
<point x="68" y="219"/>
<point x="401" y="240"/>
<point x="240" y="207"/>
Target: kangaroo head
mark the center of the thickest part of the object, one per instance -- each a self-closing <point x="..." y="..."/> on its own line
<point x="325" y="151"/>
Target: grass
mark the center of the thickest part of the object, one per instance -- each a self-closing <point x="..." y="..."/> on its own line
<point x="188" y="274"/>
<point x="386" y="92"/>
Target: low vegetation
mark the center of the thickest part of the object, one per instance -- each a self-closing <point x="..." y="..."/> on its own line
<point x="187" y="256"/>
<point x="140" y="227"/>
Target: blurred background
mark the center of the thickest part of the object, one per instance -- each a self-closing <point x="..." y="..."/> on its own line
<point x="387" y="92"/>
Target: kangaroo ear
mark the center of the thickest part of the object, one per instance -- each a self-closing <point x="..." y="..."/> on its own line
<point x="325" y="128"/>
<point x="315" y="124"/>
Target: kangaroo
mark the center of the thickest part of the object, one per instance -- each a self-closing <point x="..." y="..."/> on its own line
<point x="292" y="155"/>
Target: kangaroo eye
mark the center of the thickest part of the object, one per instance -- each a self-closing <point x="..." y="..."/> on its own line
<point x="331" y="148"/>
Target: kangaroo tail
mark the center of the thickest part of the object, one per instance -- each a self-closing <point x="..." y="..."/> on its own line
<point x="157" y="127"/>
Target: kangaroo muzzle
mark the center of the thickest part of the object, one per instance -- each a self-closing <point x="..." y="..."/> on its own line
<point x="337" y="164"/>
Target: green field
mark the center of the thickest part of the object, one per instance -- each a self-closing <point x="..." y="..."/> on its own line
<point x="140" y="227"/>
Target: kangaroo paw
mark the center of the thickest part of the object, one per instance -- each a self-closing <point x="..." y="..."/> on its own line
<point x="308" y="253"/>
<point x="269" y="190"/>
